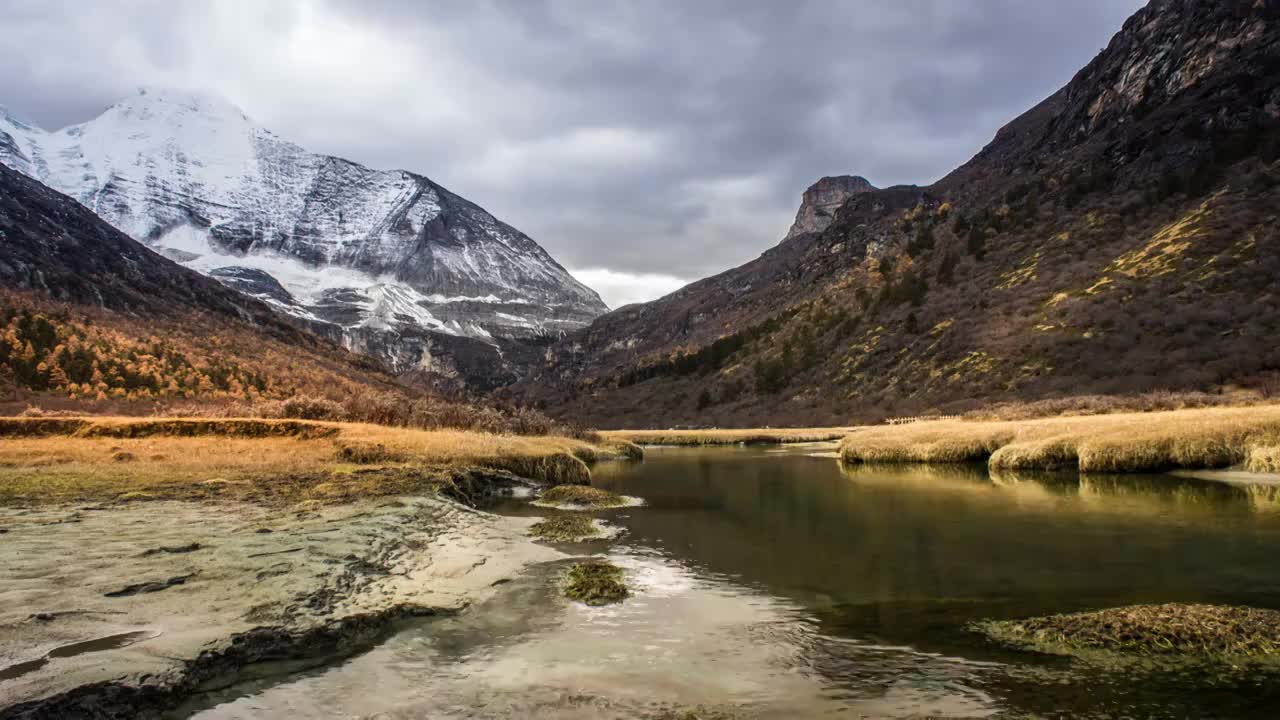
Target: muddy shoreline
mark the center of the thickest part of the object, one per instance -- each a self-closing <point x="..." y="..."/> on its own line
<point x="132" y="609"/>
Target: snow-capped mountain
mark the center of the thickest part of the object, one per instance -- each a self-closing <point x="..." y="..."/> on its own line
<point x="381" y="254"/>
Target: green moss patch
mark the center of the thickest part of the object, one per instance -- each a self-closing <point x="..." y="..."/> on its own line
<point x="1205" y="631"/>
<point x="596" y="583"/>
<point x="582" y="495"/>
<point x="565" y="528"/>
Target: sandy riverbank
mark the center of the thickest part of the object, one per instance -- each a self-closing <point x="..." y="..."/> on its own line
<point x="140" y="566"/>
<point x="209" y="590"/>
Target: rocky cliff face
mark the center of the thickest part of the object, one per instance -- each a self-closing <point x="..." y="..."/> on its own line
<point x="819" y="204"/>
<point x="383" y="260"/>
<point x="1118" y="237"/>
<point x="50" y="244"/>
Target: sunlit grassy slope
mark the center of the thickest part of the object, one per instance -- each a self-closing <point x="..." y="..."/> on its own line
<point x="1128" y="442"/>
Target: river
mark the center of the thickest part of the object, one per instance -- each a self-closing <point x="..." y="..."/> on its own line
<point x="774" y="583"/>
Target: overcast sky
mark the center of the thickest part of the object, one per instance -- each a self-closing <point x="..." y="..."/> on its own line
<point x="643" y="143"/>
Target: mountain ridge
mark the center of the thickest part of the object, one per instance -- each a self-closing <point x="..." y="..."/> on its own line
<point x="1061" y="252"/>
<point x="369" y="252"/>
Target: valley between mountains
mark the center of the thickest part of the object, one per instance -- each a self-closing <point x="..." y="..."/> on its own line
<point x="283" y="434"/>
<point x="1125" y="221"/>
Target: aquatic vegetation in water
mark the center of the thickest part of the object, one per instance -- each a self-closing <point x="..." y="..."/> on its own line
<point x="1200" y="631"/>
<point x="596" y="583"/>
<point x="581" y="495"/>
<point x="565" y="528"/>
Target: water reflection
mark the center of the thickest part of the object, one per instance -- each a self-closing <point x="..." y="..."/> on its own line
<point x="780" y="584"/>
<point x="816" y="531"/>
<point x="681" y="643"/>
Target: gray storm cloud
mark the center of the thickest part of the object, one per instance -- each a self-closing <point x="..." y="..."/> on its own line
<point x="640" y="142"/>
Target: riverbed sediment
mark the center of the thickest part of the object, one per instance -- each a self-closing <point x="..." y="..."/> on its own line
<point x="206" y="591"/>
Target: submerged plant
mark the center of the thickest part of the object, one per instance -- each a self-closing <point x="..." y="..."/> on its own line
<point x="583" y="495"/>
<point x="596" y="583"/>
<point x="1210" y="631"/>
<point x="565" y="528"/>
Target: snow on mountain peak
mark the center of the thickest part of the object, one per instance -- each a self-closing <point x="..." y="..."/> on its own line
<point x="167" y="103"/>
<point x="191" y="175"/>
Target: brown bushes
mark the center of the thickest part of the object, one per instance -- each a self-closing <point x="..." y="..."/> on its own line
<point x="767" y="436"/>
<point x="301" y="407"/>
<point x="134" y="428"/>
<point x="369" y="454"/>
<point x="392" y="410"/>
<point x="40" y="426"/>
<point x="202" y="428"/>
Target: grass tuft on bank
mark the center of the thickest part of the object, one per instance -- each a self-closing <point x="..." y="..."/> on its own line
<point x="747" y="436"/>
<point x="1132" y="442"/>
<point x="596" y="583"/>
<point x="1200" y="631"/>
<point x="581" y="496"/>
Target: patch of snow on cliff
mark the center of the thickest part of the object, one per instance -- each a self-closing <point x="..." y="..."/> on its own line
<point x="365" y="246"/>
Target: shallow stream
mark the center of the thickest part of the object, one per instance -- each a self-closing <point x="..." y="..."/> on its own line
<point x="773" y="583"/>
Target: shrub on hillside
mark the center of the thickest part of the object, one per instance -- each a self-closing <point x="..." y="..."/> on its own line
<point x="391" y="409"/>
<point x="305" y="407"/>
<point x="1104" y="404"/>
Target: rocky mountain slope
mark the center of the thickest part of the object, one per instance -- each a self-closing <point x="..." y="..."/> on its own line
<point x="82" y="303"/>
<point x="388" y="262"/>
<point x="1118" y="237"/>
<point x="820" y="202"/>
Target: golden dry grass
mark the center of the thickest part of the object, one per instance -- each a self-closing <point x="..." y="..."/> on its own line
<point x="1130" y="442"/>
<point x="745" y="436"/>
<point x="130" y="458"/>
<point x="1264" y="459"/>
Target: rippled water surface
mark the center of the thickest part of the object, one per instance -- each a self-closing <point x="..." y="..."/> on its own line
<point x="772" y="583"/>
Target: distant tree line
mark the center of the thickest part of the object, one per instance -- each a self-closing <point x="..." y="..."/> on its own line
<point x="41" y="352"/>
